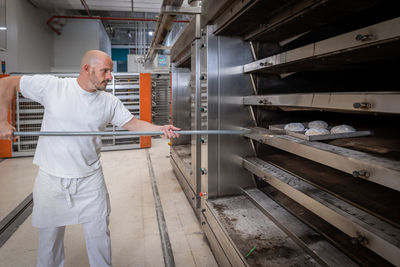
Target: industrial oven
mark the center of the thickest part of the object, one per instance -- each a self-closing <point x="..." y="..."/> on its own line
<point x="277" y="197"/>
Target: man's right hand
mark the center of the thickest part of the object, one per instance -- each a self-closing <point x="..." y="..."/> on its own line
<point x="6" y="131"/>
<point x="9" y="86"/>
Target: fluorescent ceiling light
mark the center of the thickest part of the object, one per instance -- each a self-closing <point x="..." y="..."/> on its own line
<point x="151" y="33"/>
<point x="3" y="28"/>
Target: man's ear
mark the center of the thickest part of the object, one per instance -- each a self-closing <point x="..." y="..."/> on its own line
<point x="86" y="68"/>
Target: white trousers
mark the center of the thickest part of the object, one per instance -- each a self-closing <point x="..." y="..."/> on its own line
<point x="98" y="245"/>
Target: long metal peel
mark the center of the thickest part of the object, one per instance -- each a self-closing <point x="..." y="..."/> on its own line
<point x="146" y="133"/>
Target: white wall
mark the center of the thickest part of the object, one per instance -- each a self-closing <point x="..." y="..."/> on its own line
<point x="29" y="40"/>
<point x="104" y="40"/>
<point x="77" y="37"/>
<point x="35" y="39"/>
<point x="11" y="55"/>
<point x="33" y="47"/>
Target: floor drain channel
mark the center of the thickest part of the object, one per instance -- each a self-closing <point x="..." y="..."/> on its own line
<point x="14" y="219"/>
<point x="162" y="226"/>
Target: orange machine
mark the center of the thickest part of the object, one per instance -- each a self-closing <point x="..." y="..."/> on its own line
<point x="145" y="105"/>
<point x="6" y="145"/>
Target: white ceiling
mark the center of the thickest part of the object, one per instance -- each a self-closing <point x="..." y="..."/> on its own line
<point x="104" y="5"/>
<point x="118" y="31"/>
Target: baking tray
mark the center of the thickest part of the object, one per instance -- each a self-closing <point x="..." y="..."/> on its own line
<point x="301" y="135"/>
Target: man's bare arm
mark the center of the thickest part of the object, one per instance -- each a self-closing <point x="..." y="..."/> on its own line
<point x="137" y="125"/>
<point x="8" y="87"/>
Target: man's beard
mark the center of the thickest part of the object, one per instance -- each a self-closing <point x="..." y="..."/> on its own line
<point x="98" y="86"/>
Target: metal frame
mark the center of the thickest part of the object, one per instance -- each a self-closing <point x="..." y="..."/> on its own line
<point x="164" y="25"/>
<point x="181" y="48"/>
<point x="378" y="170"/>
<point x="226" y="86"/>
<point x="204" y="110"/>
<point x="176" y="10"/>
<point x="196" y="140"/>
<point x="379" y="236"/>
<point x="211" y="148"/>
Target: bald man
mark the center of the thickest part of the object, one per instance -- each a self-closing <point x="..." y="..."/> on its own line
<point x="70" y="188"/>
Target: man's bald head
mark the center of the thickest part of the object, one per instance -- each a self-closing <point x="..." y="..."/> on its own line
<point x="92" y="57"/>
<point x="95" y="73"/>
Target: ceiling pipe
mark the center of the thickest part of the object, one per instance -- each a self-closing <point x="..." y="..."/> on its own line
<point x="33" y="3"/>
<point x="85" y="5"/>
<point x="163" y="27"/>
<point x="101" y="18"/>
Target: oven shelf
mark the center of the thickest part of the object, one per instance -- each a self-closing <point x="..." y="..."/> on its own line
<point x="371" y="43"/>
<point x="274" y="21"/>
<point x="240" y="223"/>
<point x="362" y="165"/>
<point x="322" y="251"/>
<point x="354" y="222"/>
<point x="371" y="102"/>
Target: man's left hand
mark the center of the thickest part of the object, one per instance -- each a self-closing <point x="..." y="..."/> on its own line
<point x="169" y="131"/>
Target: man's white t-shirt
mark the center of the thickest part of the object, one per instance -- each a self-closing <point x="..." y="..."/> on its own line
<point x="67" y="107"/>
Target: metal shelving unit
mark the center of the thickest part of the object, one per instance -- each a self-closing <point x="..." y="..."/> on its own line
<point x="29" y="115"/>
<point x="161" y="98"/>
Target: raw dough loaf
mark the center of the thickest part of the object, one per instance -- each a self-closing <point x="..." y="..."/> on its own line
<point x="294" y="127"/>
<point x="316" y="131"/>
<point x="318" y="125"/>
<point x="342" y="129"/>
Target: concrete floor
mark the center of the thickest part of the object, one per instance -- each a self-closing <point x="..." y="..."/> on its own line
<point x="16" y="183"/>
<point x="133" y="223"/>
